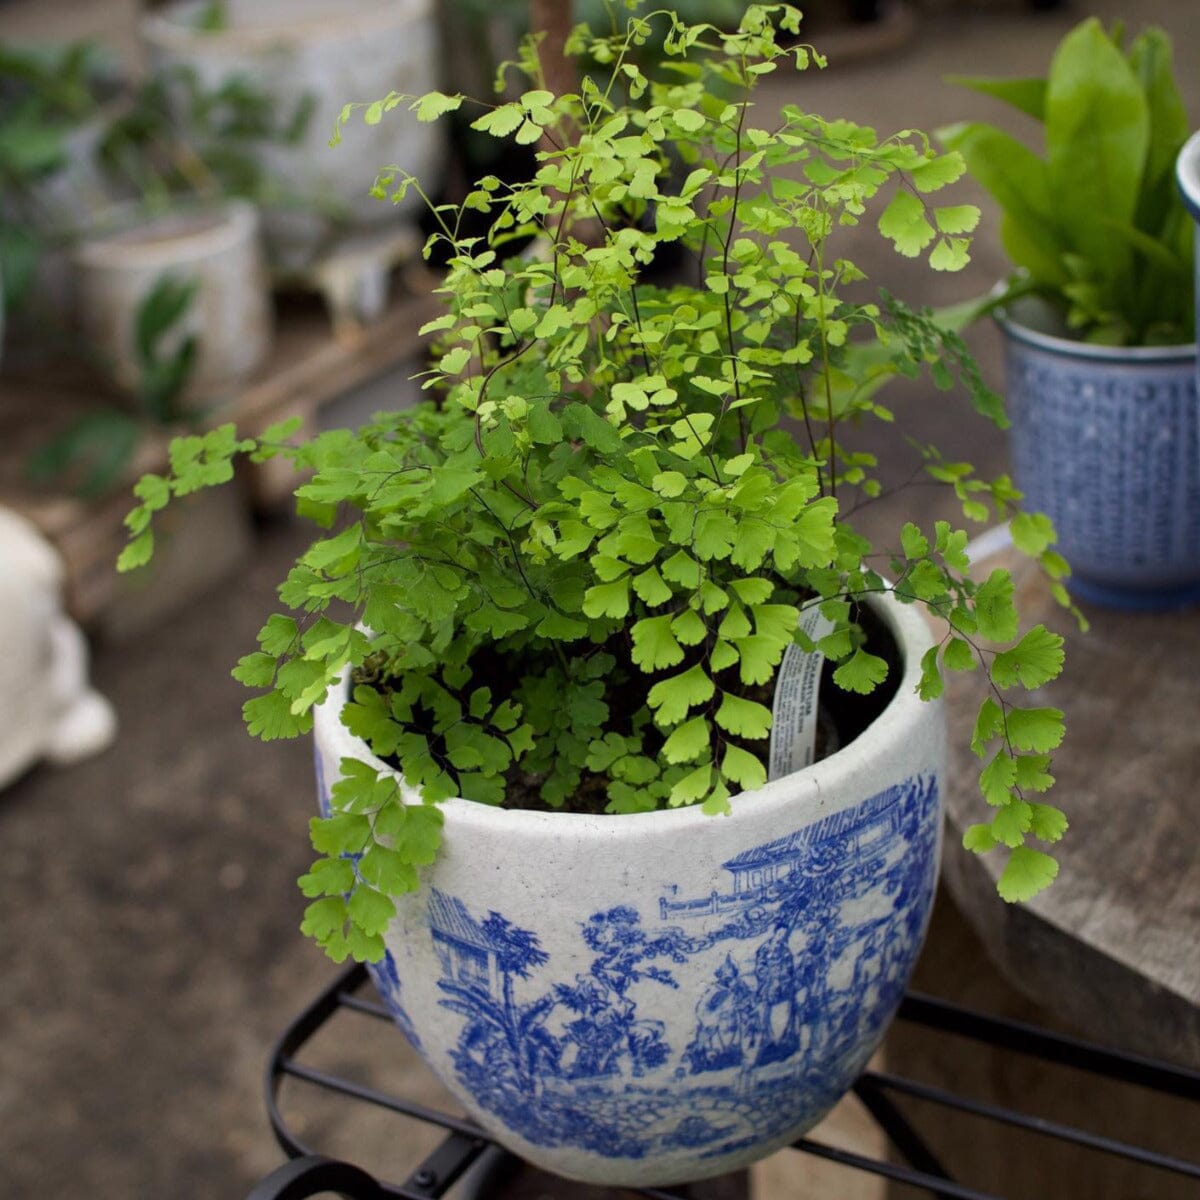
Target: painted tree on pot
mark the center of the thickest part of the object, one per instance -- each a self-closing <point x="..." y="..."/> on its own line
<point x="582" y="561"/>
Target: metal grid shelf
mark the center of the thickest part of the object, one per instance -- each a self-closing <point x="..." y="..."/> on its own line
<point x="309" y="1174"/>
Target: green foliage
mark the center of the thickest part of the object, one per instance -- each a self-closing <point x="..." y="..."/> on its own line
<point x="179" y="135"/>
<point x="44" y="94"/>
<point x="92" y="454"/>
<point x="583" y="558"/>
<point x="1095" y="224"/>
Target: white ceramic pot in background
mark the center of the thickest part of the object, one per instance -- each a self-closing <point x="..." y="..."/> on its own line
<point x="230" y="314"/>
<point x="637" y="1000"/>
<point x="355" y="50"/>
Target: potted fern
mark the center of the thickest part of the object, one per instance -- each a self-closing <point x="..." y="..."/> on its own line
<point x="1099" y="321"/>
<point x="642" y="902"/>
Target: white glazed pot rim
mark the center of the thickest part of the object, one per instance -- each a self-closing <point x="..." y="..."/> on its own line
<point x="1187" y="174"/>
<point x="891" y="728"/>
<point x="173" y="27"/>
<point x="107" y="245"/>
<point x="1010" y="323"/>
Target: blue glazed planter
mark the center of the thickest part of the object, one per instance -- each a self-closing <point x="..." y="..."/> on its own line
<point x="1106" y="441"/>
<point x="639" y="1000"/>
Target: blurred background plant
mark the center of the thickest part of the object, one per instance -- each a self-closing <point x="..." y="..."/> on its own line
<point x="50" y="100"/>
<point x="90" y="457"/>
<point x="177" y="136"/>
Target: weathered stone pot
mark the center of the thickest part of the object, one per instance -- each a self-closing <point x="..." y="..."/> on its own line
<point x="1104" y="440"/>
<point x="309" y="51"/>
<point x="638" y="1000"/>
<point x="119" y="264"/>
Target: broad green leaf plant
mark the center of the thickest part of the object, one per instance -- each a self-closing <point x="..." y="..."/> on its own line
<point x="1095" y="224"/>
<point x="581" y="560"/>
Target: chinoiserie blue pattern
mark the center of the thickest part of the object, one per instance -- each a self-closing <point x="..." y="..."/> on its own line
<point x="793" y="970"/>
<point x="1109" y="447"/>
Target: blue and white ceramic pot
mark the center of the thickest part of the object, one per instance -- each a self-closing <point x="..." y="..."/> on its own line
<point x="647" y="999"/>
<point x="1106" y="441"/>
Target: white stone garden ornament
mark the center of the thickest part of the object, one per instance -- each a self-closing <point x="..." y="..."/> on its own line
<point x="50" y="711"/>
<point x="551" y="816"/>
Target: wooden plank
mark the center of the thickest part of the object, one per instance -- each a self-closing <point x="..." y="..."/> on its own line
<point x="1114" y="945"/>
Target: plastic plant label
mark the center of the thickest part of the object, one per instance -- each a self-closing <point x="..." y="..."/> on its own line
<point x="794" y="712"/>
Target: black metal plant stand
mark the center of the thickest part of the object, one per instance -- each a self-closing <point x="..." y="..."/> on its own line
<point x="309" y="1174"/>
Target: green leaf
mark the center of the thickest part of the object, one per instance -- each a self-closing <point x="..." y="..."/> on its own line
<point x="607" y="599"/>
<point x="453" y="361"/>
<point x="959" y="218"/>
<point x="153" y="491"/>
<point x="1027" y="873"/>
<point x="1036" y="729"/>
<point x="959" y="656"/>
<point x="1033" y="661"/>
<point x="370" y="910"/>
<point x="324" y="917"/>
<point x="343" y="833"/>
<point x="654" y="645"/>
<point x="776" y="621"/>
<point x="745" y="718"/>
<point x="913" y="542"/>
<point x="544" y="427"/>
<point x="528" y="133"/>
<point x="1016" y="179"/>
<point x="715" y="534"/>
<point x="650" y="587"/>
<point x="1047" y="823"/>
<point x="270" y="717"/>
<point x="988" y="724"/>
<point x="1032" y="773"/>
<point x="1150" y="60"/>
<point x="671" y="698"/>
<point x="255" y="670"/>
<point x="501" y="121"/>
<point x="1011" y="823"/>
<point x="688" y="742"/>
<point x="682" y="569"/>
<point x="997" y="778"/>
<point x="328" y="877"/>
<point x="1097" y="138"/>
<point x="742" y="767"/>
<point x="669" y="483"/>
<point x="861" y="673"/>
<point x="561" y="628"/>
<point x="436" y="104"/>
<point x="950" y="254"/>
<point x="930" y="686"/>
<point x="1032" y="533"/>
<point x="759" y="657"/>
<point x="692" y="786"/>
<point x="994" y="609"/>
<point x="1028" y="95"/>
<point x="978" y="839"/>
<point x="752" y="591"/>
<point x="689" y="628"/>
<point x="935" y="173"/>
<point x="137" y="553"/>
<point x="905" y="225"/>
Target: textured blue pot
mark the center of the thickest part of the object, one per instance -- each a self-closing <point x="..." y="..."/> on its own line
<point x="1106" y="441"/>
<point x="644" y="999"/>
